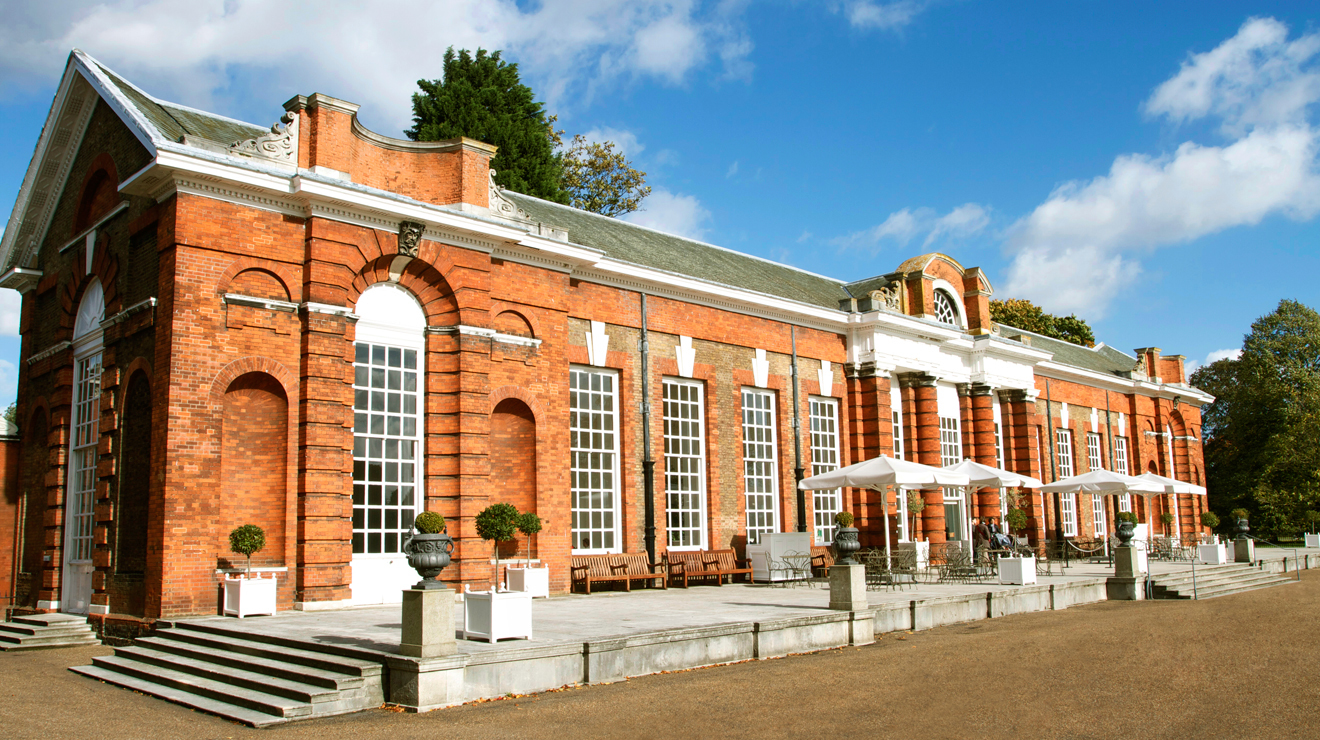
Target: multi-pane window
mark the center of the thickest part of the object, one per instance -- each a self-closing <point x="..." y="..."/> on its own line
<point x="824" y="458"/>
<point x="999" y="446"/>
<point x="685" y="464"/>
<point x="82" y="464"/>
<point x="898" y="435"/>
<point x="1125" y="502"/>
<point x="386" y="446"/>
<point x="1069" y="503"/>
<point x="950" y="441"/>
<point x="594" y="453"/>
<point x="1120" y="456"/>
<point x="1063" y="451"/>
<point x="945" y="313"/>
<point x="1093" y="458"/>
<point x="1098" y="519"/>
<point x="760" y="468"/>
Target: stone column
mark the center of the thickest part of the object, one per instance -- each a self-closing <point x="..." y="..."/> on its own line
<point x="928" y="453"/>
<point x="983" y="432"/>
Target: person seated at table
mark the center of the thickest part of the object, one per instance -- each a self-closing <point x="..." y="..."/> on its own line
<point x="998" y="539"/>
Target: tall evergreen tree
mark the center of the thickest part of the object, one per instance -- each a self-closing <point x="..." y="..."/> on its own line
<point x="1262" y="433"/>
<point x="481" y="97"/>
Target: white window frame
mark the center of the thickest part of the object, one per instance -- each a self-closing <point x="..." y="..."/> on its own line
<point x="1068" y="513"/>
<point x="897" y="420"/>
<point x="1063" y="452"/>
<point x="1121" y="457"/>
<point x="684" y="464"/>
<point x="824" y="459"/>
<point x="610" y="534"/>
<point x="1093" y="456"/>
<point x="1098" y="518"/>
<point x="372" y="448"/>
<point x="84" y="454"/>
<point x="950" y="441"/>
<point x="759" y="471"/>
<point x="1173" y="473"/>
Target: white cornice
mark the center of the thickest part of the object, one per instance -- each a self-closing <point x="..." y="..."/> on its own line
<point x="21" y="279"/>
<point x="1058" y="371"/>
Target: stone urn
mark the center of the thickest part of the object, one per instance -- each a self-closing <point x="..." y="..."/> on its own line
<point x="1125" y="532"/>
<point x="428" y="554"/>
<point x="845" y="544"/>
<point x="1242" y="529"/>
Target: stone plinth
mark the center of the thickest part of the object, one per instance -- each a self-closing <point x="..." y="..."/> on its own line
<point x="1128" y="562"/>
<point x="428" y="623"/>
<point x="848" y="587"/>
<point x="1244" y="551"/>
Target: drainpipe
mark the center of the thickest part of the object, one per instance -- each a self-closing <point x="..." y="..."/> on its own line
<point x="648" y="462"/>
<point x="1054" y="473"/>
<point x="798" y="472"/>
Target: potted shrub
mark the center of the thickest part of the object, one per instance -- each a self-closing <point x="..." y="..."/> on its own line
<point x="1015" y="520"/>
<point x="1209" y="519"/>
<point x="845" y="539"/>
<point x="1127" y="524"/>
<point x="1166" y="519"/>
<point x="535" y="581"/>
<point x="1241" y="516"/>
<point x="245" y="595"/>
<point x="428" y="551"/>
<point x="497" y="614"/>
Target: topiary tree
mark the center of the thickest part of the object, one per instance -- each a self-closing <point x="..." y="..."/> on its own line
<point x="915" y="504"/>
<point x="1127" y="516"/>
<point x="1166" y="519"/>
<point x="1016" y="520"/>
<point x="246" y="540"/>
<point x="528" y="524"/>
<point x="1240" y="514"/>
<point x="1209" y="519"/>
<point x="429" y="522"/>
<point x="844" y="519"/>
<point x="497" y="523"/>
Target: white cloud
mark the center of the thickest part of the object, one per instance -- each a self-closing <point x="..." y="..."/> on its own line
<point x="199" y="51"/>
<point x="868" y="15"/>
<point x="1213" y="357"/>
<point x="733" y="170"/>
<point x="8" y="383"/>
<point x="1079" y="249"/>
<point x="672" y="213"/>
<point x="10" y="304"/>
<point x="624" y="141"/>
<point x="903" y="226"/>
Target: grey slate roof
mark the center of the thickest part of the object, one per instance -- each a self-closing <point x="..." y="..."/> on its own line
<point x="649" y="248"/>
<point x="174" y="122"/>
<point x="1103" y="359"/>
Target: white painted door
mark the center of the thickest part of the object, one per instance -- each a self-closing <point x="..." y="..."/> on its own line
<point x="76" y="574"/>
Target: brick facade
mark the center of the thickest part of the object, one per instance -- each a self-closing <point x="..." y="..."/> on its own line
<point x="227" y="395"/>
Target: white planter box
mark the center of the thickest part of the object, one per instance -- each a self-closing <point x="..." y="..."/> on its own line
<point x="922" y="549"/>
<point x="1212" y="554"/>
<point x="497" y="615"/>
<point x="247" y="596"/>
<point x="1019" y="571"/>
<point x="535" y="581"/>
<point x="767" y="555"/>
<point x="1313" y="540"/>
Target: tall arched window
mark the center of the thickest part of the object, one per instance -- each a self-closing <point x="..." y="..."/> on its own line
<point x="76" y="578"/>
<point x="388" y="378"/>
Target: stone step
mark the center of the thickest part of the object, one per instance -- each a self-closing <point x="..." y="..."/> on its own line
<point x="161" y="676"/>
<point x="321" y="678"/>
<point x="188" y="699"/>
<point x="1215" y="584"/>
<point x="254" y="680"/>
<point x="1232" y="587"/>
<point x="232" y="628"/>
<point x="49" y="620"/>
<point x="288" y="651"/>
<point x="48" y="640"/>
<point x="15" y="630"/>
<point x="46" y="631"/>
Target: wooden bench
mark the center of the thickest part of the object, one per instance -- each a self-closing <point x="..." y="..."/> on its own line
<point x="615" y="568"/>
<point x="715" y="564"/>
<point x="822" y="557"/>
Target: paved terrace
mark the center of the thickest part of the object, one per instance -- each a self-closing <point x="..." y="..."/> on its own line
<point x="578" y="618"/>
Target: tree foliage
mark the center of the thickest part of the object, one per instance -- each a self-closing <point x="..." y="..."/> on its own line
<point x="246" y="540"/>
<point x="601" y="180"/>
<point x="1262" y="433"/>
<point x="11" y="413"/>
<point x="1023" y="314"/>
<point x="481" y="97"/>
<point x="497" y="522"/>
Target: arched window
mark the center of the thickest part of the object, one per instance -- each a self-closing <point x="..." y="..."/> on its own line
<point x="388" y="378"/>
<point x="76" y="581"/>
<point x="945" y="311"/>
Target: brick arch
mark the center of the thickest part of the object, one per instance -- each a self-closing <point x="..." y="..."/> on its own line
<point x="499" y="308"/>
<point x="287" y="276"/>
<point x="252" y="364"/>
<point x="505" y="392"/>
<point x="104" y="268"/>
<point x="1177" y="424"/>
<point x="138" y="365"/>
<point x="98" y="194"/>
<point x="427" y="284"/>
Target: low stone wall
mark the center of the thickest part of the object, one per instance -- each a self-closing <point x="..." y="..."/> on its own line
<point x="431" y="683"/>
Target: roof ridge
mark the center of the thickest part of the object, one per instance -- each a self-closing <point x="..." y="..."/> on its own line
<point x="119" y="79"/>
<point x="677" y="236"/>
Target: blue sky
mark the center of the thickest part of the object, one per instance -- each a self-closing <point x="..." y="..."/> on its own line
<point x="1149" y="166"/>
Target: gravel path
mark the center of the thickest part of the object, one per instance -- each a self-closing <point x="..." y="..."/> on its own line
<point x="1236" y="666"/>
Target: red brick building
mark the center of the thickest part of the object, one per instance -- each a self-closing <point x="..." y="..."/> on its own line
<point x="321" y="330"/>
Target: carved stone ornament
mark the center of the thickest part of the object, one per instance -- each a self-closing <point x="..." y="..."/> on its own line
<point x="1141" y="365"/>
<point x="281" y="144"/>
<point x="887" y="297"/>
<point x="410" y="237"/>
<point x="502" y="206"/>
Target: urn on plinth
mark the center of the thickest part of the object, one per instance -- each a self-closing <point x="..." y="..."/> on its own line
<point x="428" y="551"/>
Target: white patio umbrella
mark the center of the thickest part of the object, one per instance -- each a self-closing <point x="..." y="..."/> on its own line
<point x="1173" y="485"/>
<point x="984" y="476"/>
<point x="1104" y="483"/>
<point x="882" y="472"/>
